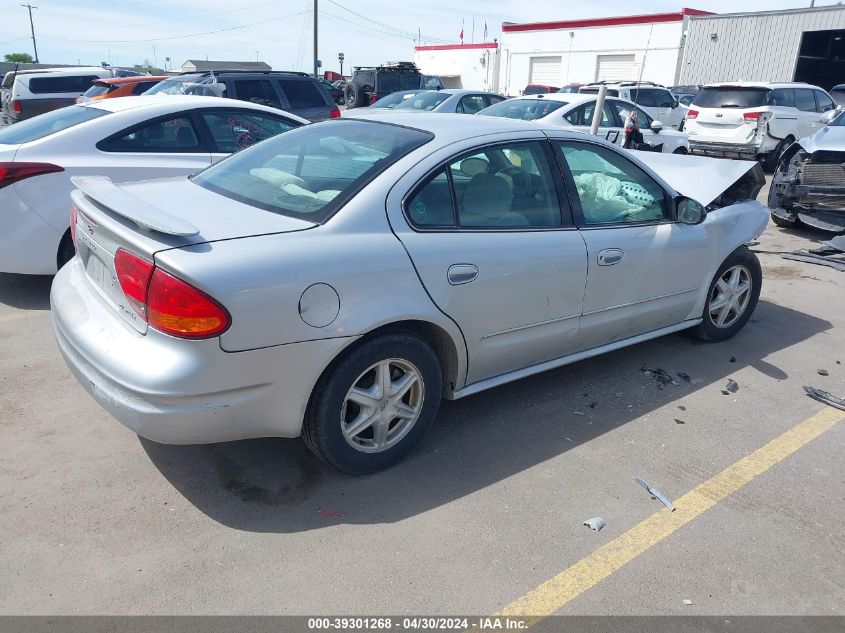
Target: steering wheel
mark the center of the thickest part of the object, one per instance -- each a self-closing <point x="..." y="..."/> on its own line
<point x="522" y="186"/>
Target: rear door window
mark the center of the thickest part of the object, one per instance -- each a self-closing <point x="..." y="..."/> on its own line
<point x="302" y="93"/>
<point x="804" y="100"/>
<point x="232" y="130"/>
<point x="170" y="135"/>
<point x="258" y="91"/>
<point x="783" y="97"/>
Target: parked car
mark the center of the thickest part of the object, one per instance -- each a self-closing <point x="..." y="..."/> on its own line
<point x="571" y="88"/>
<point x="754" y="120"/>
<point x="29" y="93"/>
<point x="119" y="87"/>
<point x="368" y="84"/>
<point x="838" y="94"/>
<point x="808" y="186"/>
<point x="378" y="265"/>
<point x="576" y="111"/>
<point x="295" y="92"/>
<point x="390" y="101"/>
<point x="537" y="89"/>
<point x="123" y="139"/>
<point x="335" y="93"/>
<point x="655" y="99"/>
<point x="689" y="89"/>
<point x="451" y="100"/>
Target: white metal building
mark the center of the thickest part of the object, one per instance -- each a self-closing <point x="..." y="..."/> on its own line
<point x="470" y="66"/>
<point x="790" y="45"/>
<point x="580" y="51"/>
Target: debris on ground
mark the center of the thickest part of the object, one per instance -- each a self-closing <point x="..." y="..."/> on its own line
<point x="687" y="601"/>
<point x="685" y="376"/>
<point x="596" y="523"/>
<point x="655" y="494"/>
<point x="660" y="375"/>
<point x="593" y="405"/>
<point x="826" y="256"/>
<point x="677" y="421"/>
<point x="825" y="397"/>
<point x="733" y="359"/>
<point x="578" y="412"/>
<point x="823" y="372"/>
<point x="682" y="407"/>
<point x="732" y="385"/>
<point x="330" y="513"/>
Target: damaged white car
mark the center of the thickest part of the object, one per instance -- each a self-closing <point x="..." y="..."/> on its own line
<point x="808" y="186"/>
<point x="339" y="280"/>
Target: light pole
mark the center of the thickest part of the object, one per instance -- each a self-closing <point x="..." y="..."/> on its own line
<point x="32" y="29"/>
<point x="340" y="59"/>
<point x="316" y="55"/>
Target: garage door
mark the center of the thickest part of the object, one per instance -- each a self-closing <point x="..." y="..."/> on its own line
<point x="616" y="68"/>
<point x="545" y="71"/>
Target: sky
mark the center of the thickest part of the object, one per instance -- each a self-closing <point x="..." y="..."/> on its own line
<point x="129" y="32"/>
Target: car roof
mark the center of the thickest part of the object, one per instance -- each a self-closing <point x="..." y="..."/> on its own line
<point x="181" y="102"/>
<point x="760" y="84"/>
<point x="73" y="70"/>
<point x="117" y="81"/>
<point x="566" y="97"/>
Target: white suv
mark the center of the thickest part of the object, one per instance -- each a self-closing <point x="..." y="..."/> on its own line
<point x="755" y="120"/>
<point x="655" y="99"/>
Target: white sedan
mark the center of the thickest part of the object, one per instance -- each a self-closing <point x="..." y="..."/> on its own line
<point x="575" y="111"/>
<point x="124" y="139"/>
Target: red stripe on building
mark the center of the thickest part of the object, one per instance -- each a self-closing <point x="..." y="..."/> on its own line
<point x="456" y="47"/>
<point x="611" y="21"/>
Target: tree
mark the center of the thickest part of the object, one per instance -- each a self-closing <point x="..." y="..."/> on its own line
<point x="22" y="58"/>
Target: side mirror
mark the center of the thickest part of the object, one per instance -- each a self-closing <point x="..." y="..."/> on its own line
<point x="688" y="211"/>
<point x="675" y="102"/>
<point x="829" y="116"/>
<point x="656" y="126"/>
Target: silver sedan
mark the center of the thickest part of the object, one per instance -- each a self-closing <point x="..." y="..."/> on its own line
<point x="337" y="281"/>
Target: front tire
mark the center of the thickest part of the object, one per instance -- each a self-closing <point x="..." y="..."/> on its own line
<point x="66" y="250"/>
<point x="784" y="223"/>
<point x="732" y="296"/>
<point x="370" y="409"/>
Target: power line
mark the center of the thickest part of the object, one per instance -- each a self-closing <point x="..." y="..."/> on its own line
<point x="406" y="34"/>
<point x="176" y="37"/>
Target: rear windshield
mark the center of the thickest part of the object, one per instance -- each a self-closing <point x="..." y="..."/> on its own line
<point x="312" y="171"/>
<point x="47" y="124"/>
<point x="535" y="90"/>
<point x="391" y="82"/>
<point x="594" y="90"/>
<point x="525" y="109"/>
<point x="193" y="84"/>
<point x="303" y="93"/>
<point x="423" y="101"/>
<point x="392" y="100"/>
<point x="98" y="90"/>
<point x="62" y="84"/>
<point x="730" y="97"/>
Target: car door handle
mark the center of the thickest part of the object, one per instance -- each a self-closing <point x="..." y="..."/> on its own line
<point x="610" y="256"/>
<point x="462" y="274"/>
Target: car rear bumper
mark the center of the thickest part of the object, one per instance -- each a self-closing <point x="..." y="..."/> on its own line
<point x="732" y="150"/>
<point x="177" y="391"/>
<point x="28" y="244"/>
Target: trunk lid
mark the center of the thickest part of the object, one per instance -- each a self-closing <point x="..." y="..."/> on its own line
<point x="725" y="125"/>
<point x="148" y="217"/>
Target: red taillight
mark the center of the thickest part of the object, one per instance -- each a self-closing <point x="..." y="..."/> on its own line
<point x="16" y="106"/>
<point x="373" y="97"/>
<point x="10" y="173"/>
<point x="74" y="216"/>
<point x="691" y="114"/>
<point x="166" y="302"/>
<point x="751" y="117"/>
<point x="335" y="113"/>
<point x="133" y="275"/>
<point x="180" y="309"/>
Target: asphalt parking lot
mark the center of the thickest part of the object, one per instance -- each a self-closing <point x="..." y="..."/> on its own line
<point x="94" y="520"/>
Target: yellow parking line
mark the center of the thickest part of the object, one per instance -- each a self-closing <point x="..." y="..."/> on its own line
<point x="589" y="571"/>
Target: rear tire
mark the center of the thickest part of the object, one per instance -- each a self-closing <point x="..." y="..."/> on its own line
<point x="374" y="404"/>
<point x="680" y="150"/>
<point x="66" y="250"/>
<point x="731" y="297"/>
<point x="770" y="163"/>
<point x="355" y="96"/>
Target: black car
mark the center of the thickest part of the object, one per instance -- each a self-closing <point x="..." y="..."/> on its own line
<point x="295" y="92"/>
<point x="371" y="83"/>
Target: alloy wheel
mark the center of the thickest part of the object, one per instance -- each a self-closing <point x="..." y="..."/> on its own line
<point x="730" y="296"/>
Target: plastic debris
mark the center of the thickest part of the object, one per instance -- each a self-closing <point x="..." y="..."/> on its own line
<point x="687" y="601"/>
<point x="685" y="376"/>
<point x="655" y="493"/>
<point x="823" y="372"/>
<point x="578" y="412"/>
<point x="732" y="385"/>
<point x="596" y="523"/>
<point x="330" y="513"/>
<point x="825" y="397"/>
<point x="660" y="375"/>
<point x="725" y="393"/>
<point x="682" y="407"/>
<point x="733" y="359"/>
<point x="678" y="421"/>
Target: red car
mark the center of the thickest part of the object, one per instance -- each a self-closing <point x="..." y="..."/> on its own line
<point x="537" y="89"/>
<point x="119" y="87"/>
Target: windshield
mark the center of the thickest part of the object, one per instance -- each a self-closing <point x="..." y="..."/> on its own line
<point x="392" y="100"/>
<point x="46" y="124"/>
<point x="312" y="171"/>
<point x="731" y="97"/>
<point x="525" y="109"/>
<point x="193" y="84"/>
<point x="423" y="101"/>
<point x="838" y="121"/>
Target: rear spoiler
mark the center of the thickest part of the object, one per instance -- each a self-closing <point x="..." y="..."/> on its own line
<point x="103" y="191"/>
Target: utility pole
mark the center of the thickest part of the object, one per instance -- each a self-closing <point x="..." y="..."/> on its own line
<point x="32" y="29"/>
<point x="316" y="56"/>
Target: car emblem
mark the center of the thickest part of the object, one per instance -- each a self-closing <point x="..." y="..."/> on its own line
<point x="719" y="114"/>
<point x="90" y="229"/>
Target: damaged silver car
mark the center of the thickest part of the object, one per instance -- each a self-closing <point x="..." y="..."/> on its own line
<point x="808" y="185"/>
